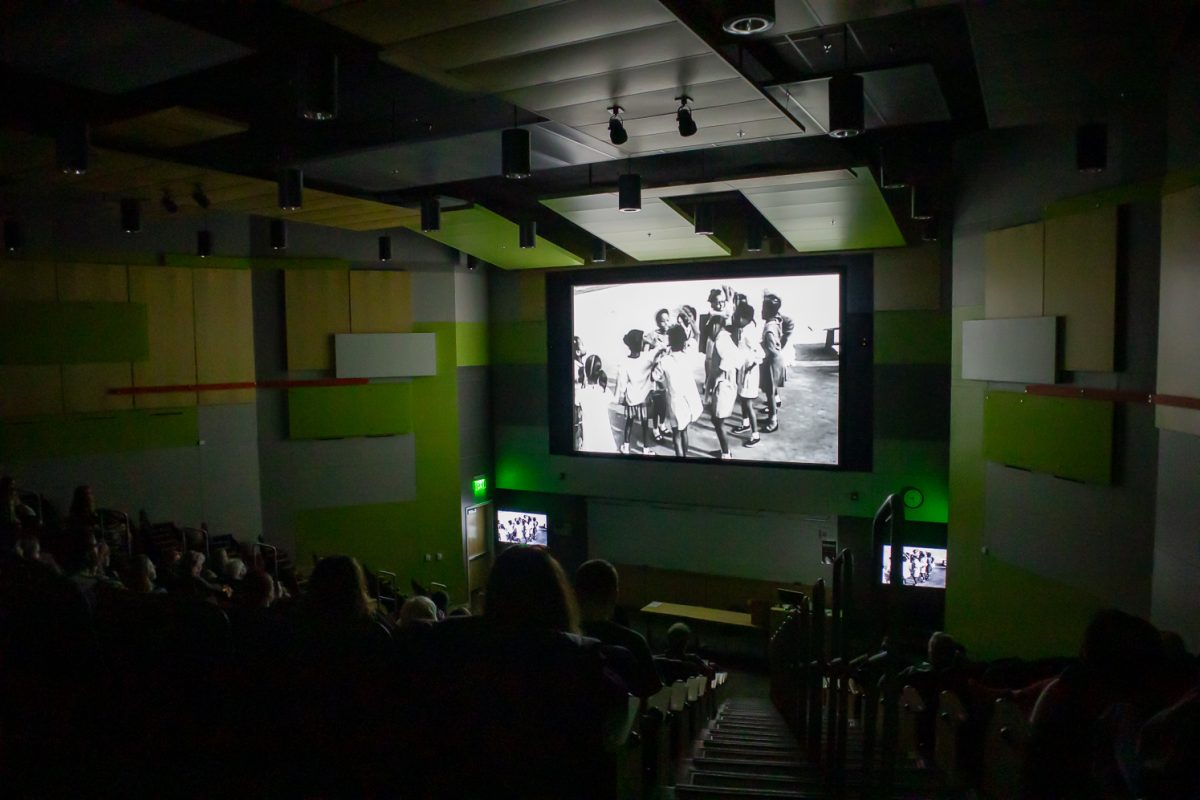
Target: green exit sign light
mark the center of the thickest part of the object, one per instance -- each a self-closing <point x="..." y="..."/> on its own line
<point x="479" y="485"/>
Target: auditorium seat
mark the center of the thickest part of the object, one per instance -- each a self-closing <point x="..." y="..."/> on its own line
<point x="1004" y="751"/>
<point x="947" y="739"/>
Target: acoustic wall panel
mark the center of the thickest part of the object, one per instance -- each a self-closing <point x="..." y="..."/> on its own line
<point x="908" y="279"/>
<point x="1013" y="272"/>
<point x="224" y="333"/>
<point x="1081" y="286"/>
<point x="334" y="412"/>
<point x="380" y="301"/>
<point x="85" y="386"/>
<point x="33" y="389"/>
<point x="1178" y="321"/>
<point x="385" y="355"/>
<point x="1010" y="350"/>
<point x="114" y="431"/>
<point x="72" y="333"/>
<point x="167" y="294"/>
<point x="317" y="303"/>
<point x="1067" y="437"/>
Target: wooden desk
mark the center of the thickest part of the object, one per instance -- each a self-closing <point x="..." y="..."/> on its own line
<point x="699" y="613"/>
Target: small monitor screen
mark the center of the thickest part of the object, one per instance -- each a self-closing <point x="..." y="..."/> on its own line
<point x="924" y="567"/>
<point x="521" y="527"/>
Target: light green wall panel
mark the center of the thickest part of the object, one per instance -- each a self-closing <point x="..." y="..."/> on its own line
<point x="471" y="344"/>
<point x="912" y="337"/>
<point x="1060" y="436"/>
<point x="333" y="412"/>
<point x="73" y="333"/>
<point x="518" y="342"/>
<point x="116" y="431"/>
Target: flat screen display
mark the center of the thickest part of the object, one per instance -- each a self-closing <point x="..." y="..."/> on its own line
<point x="738" y="368"/>
<point x="924" y="567"/>
<point x="521" y="527"/>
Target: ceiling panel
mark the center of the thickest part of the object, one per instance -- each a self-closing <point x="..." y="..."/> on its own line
<point x="176" y="126"/>
<point x="651" y="103"/>
<point x="389" y="21"/>
<point x="749" y="111"/>
<point x="713" y="136"/>
<point x="489" y="236"/>
<point x="896" y="96"/>
<point x="656" y="232"/>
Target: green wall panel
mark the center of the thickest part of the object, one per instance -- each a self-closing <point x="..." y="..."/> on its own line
<point x="117" y="431"/>
<point x="471" y="344"/>
<point x="912" y="337"/>
<point x="518" y="343"/>
<point x="384" y="536"/>
<point x="335" y="412"/>
<point x="73" y="333"/>
<point x="1056" y="435"/>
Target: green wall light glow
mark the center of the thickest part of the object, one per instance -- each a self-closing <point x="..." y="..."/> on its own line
<point x="479" y="485"/>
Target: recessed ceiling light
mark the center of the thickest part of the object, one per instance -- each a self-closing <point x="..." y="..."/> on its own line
<point x="751" y="17"/>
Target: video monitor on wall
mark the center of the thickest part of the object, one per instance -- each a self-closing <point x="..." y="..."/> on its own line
<point x="522" y="527"/>
<point x="924" y="567"/>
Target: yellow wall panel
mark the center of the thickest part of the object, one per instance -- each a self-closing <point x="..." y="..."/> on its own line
<point x="224" y="333"/>
<point x="531" y="297"/>
<point x="1013" y="272"/>
<point x="30" y="391"/>
<point x="380" y="301"/>
<point x="85" y="386"/>
<point x="167" y="293"/>
<point x="1081" y="286"/>
<point x="317" y="303"/>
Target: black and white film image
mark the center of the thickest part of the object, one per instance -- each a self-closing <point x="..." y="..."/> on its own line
<point x="521" y="527"/>
<point x="743" y="369"/>
<point x="923" y="566"/>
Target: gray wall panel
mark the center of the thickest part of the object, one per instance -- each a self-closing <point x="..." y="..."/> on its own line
<point x="1176" y="603"/>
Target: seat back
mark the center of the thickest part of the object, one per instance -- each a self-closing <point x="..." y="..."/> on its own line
<point x="660" y="701"/>
<point x="947" y="734"/>
<point x="679" y="693"/>
<point x="911" y="707"/>
<point x="1004" y="751"/>
<point x="693" y="689"/>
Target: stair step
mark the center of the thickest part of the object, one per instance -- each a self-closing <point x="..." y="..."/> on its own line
<point x="786" y="757"/>
<point x="687" y="792"/>
<point x="742" y="743"/>
<point x="747" y="766"/>
<point x="744" y="781"/>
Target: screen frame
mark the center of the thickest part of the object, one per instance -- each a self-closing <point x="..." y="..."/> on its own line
<point x="856" y="355"/>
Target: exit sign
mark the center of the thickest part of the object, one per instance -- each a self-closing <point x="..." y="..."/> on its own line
<point x="479" y="485"/>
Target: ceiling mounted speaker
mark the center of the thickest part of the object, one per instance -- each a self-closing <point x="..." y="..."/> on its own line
<point x="291" y="189"/>
<point x="514" y="153"/>
<point x="704" y="220"/>
<point x="920" y="208"/>
<point x="279" y="235"/>
<point x="629" y="193"/>
<point x="385" y="248"/>
<point x="14" y="236"/>
<point x="845" y="106"/>
<point x="131" y="215"/>
<point x="748" y="17"/>
<point x="204" y="243"/>
<point x="200" y="196"/>
<point x="431" y="215"/>
<point x="599" y="251"/>
<point x="71" y="148"/>
<point x="527" y="234"/>
<point x="929" y="231"/>
<point x="1091" y="147"/>
<point x="754" y="234"/>
<point x="317" y="86"/>
<point x="616" y="126"/>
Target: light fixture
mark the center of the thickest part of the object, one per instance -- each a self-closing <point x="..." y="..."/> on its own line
<point x="472" y="263"/>
<point x="929" y="231"/>
<point x="291" y="189"/>
<point x="845" y="105"/>
<point x="754" y="234"/>
<point x="599" y="251"/>
<point x="527" y="234"/>
<point x="1091" y="147"/>
<point x="317" y="95"/>
<point x="748" y="17"/>
<point x="204" y="243"/>
<point x="683" y="117"/>
<point x="385" y="248"/>
<point x="131" y="215"/>
<point x="431" y="215"/>
<point x="704" y="220"/>
<point x="278" y="234"/>
<point x="919" y="208"/>
<point x="887" y="177"/>
<point x="71" y="148"/>
<point x="168" y="203"/>
<point x="200" y="196"/>
<point x="616" y="128"/>
<point x="14" y="236"/>
<point x="514" y="153"/>
<point x="629" y="193"/>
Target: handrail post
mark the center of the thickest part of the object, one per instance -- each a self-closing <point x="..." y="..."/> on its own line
<point x="816" y="670"/>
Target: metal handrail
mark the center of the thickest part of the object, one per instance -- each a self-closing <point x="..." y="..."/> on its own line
<point x="274" y="557"/>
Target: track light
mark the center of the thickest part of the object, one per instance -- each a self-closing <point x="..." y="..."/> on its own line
<point x="754" y="234"/>
<point x="616" y="128"/>
<point x="514" y="153"/>
<point x="919" y="208"/>
<point x="385" y="248"/>
<point x="431" y="215"/>
<point x="204" y="243"/>
<point x="131" y="215"/>
<point x="1091" y="147"/>
<point x="317" y="96"/>
<point x="599" y="251"/>
<point x="704" y="220"/>
<point x="683" y="117"/>
<point x="168" y="203"/>
<point x="629" y="193"/>
<point x="291" y="189"/>
<point x="748" y="17"/>
<point x="527" y="235"/>
<point x="71" y="148"/>
<point x="200" y="197"/>
<point x="278" y="234"/>
<point x="845" y="105"/>
<point x="14" y="236"/>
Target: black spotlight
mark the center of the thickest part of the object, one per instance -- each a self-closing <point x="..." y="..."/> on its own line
<point x="204" y="243"/>
<point x="472" y="263"/>
<point x="131" y="215"/>
<point x="629" y="193"/>
<point x="431" y="215"/>
<point x="168" y="203"/>
<point x="278" y="234"/>
<point x="845" y="106"/>
<point x="748" y="17"/>
<point x="291" y="189"/>
<point x="599" y="251"/>
<point x="14" y="236"/>
<point x="616" y="128"/>
<point x="385" y="248"/>
<point x="919" y="205"/>
<point x="929" y="231"/>
<point x="71" y="148"/>
<point x="683" y="117"/>
<point x="200" y="196"/>
<point x="528" y="234"/>
<point x="317" y="95"/>
<point x="704" y="220"/>
<point x="514" y="153"/>
<point x="1091" y="147"/>
<point x="754" y="234"/>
